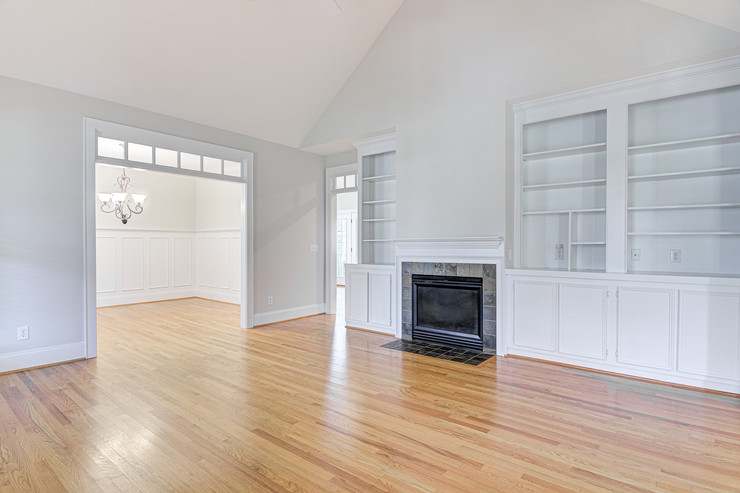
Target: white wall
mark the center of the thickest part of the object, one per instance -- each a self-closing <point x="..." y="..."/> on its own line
<point x="218" y="205"/>
<point x="41" y="227"/>
<point x="443" y="72"/>
<point x="170" y="202"/>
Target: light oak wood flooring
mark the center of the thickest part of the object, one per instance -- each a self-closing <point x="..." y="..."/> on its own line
<point x="181" y="399"/>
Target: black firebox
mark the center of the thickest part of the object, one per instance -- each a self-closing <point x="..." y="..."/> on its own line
<point x="447" y="310"/>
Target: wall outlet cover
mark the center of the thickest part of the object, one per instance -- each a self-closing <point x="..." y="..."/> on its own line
<point x="23" y="333"/>
<point x="675" y="256"/>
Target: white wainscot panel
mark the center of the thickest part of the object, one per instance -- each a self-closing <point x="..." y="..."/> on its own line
<point x="644" y="327"/>
<point x="183" y="254"/>
<point x="159" y="262"/>
<point x="380" y="298"/>
<point x="535" y="314"/>
<point x="132" y="254"/>
<point x="583" y="320"/>
<point x="211" y="262"/>
<point x="709" y="334"/>
<point x="236" y="265"/>
<point x="105" y="263"/>
<point x="223" y="259"/>
<point x="357" y="301"/>
<point x="201" y="261"/>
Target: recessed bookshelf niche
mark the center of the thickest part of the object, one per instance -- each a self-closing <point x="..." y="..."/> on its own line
<point x="683" y="184"/>
<point x="563" y="193"/>
<point x="378" y="208"/>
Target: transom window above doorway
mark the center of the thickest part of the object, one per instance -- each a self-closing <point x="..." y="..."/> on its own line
<point x="167" y="158"/>
<point x="345" y="182"/>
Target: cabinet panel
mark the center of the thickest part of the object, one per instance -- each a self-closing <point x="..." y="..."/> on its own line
<point x="535" y="314"/>
<point x="583" y="319"/>
<point x="357" y="299"/>
<point x="380" y="299"/>
<point x="709" y="334"/>
<point x="644" y="327"/>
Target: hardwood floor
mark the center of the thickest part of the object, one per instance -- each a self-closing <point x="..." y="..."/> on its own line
<point x="181" y="399"/>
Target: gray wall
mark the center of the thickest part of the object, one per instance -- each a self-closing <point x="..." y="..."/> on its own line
<point x="443" y="73"/>
<point x="41" y="207"/>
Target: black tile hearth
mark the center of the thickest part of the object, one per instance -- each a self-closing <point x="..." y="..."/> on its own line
<point x="456" y="354"/>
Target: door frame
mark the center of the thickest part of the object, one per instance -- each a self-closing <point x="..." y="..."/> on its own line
<point x="330" y="222"/>
<point x="91" y="129"/>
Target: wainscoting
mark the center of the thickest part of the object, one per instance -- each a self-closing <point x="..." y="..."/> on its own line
<point x="136" y="266"/>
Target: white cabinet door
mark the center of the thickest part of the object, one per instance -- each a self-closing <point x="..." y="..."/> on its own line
<point x="644" y="327"/>
<point x="535" y="314"/>
<point x="709" y="334"/>
<point x="583" y="320"/>
<point x="380" y="299"/>
<point x="356" y="305"/>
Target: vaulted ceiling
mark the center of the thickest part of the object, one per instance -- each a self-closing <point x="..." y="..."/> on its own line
<point x="264" y="68"/>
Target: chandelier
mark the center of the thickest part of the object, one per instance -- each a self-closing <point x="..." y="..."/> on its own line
<point x="121" y="200"/>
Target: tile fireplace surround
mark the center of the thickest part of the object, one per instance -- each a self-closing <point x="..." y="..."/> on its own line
<point x="485" y="271"/>
<point x="456" y="257"/>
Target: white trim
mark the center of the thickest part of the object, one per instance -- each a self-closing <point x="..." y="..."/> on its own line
<point x="42" y="356"/>
<point x="462" y="250"/>
<point x="288" y="314"/>
<point x="376" y="145"/>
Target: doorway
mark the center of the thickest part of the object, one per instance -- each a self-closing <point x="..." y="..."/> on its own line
<point x="123" y="146"/>
<point x="342" y="230"/>
<point x="347" y="233"/>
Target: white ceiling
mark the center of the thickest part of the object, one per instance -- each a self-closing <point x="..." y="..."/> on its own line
<point x="264" y="68"/>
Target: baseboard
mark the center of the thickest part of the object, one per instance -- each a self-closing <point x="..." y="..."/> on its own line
<point x="32" y="358"/>
<point x="131" y="298"/>
<point x="230" y="296"/>
<point x="288" y="314"/>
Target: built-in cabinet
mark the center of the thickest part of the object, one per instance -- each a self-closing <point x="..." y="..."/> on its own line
<point x="682" y="330"/>
<point x="368" y="295"/>
<point x="627" y="227"/>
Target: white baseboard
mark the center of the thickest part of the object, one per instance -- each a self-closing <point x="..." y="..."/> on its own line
<point x="226" y="296"/>
<point x="22" y="360"/>
<point x="288" y="314"/>
<point x="114" y="299"/>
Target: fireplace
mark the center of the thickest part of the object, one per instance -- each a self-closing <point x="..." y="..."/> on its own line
<point x="447" y="310"/>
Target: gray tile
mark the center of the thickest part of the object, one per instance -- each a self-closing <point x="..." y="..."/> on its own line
<point x="406" y="304"/>
<point x="405" y="267"/>
<point x="417" y="268"/>
<point x="427" y="268"/>
<point x="405" y="336"/>
<point x="476" y="270"/>
<point x="489" y="327"/>
<point x="406" y="292"/>
<point x="406" y="330"/>
<point x="406" y="280"/>
<point x="489" y="313"/>
<point x="489" y="298"/>
<point x="406" y="316"/>
<point x="463" y="270"/>
<point x="489" y="341"/>
<point x="489" y="271"/>
<point x="451" y="269"/>
<point x="489" y="284"/>
<point x="439" y="269"/>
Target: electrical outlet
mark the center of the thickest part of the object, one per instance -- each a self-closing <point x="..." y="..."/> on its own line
<point x="314" y="248"/>
<point x="23" y="333"/>
<point x="635" y="254"/>
<point x="269" y="300"/>
<point x="675" y="256"/>
<point x="559" y="252"/>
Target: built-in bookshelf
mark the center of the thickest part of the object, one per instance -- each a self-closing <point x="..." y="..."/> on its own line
<point x="683" y="184"/>
<point x="378" y="216"/>
<point x="563" y="193"/>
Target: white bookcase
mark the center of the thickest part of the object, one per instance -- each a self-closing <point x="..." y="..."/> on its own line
<point x="563" y="193"/>
<point x="378" y="208"/>
<point x="626" y="251"/>
<point x="684" y="184"/>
